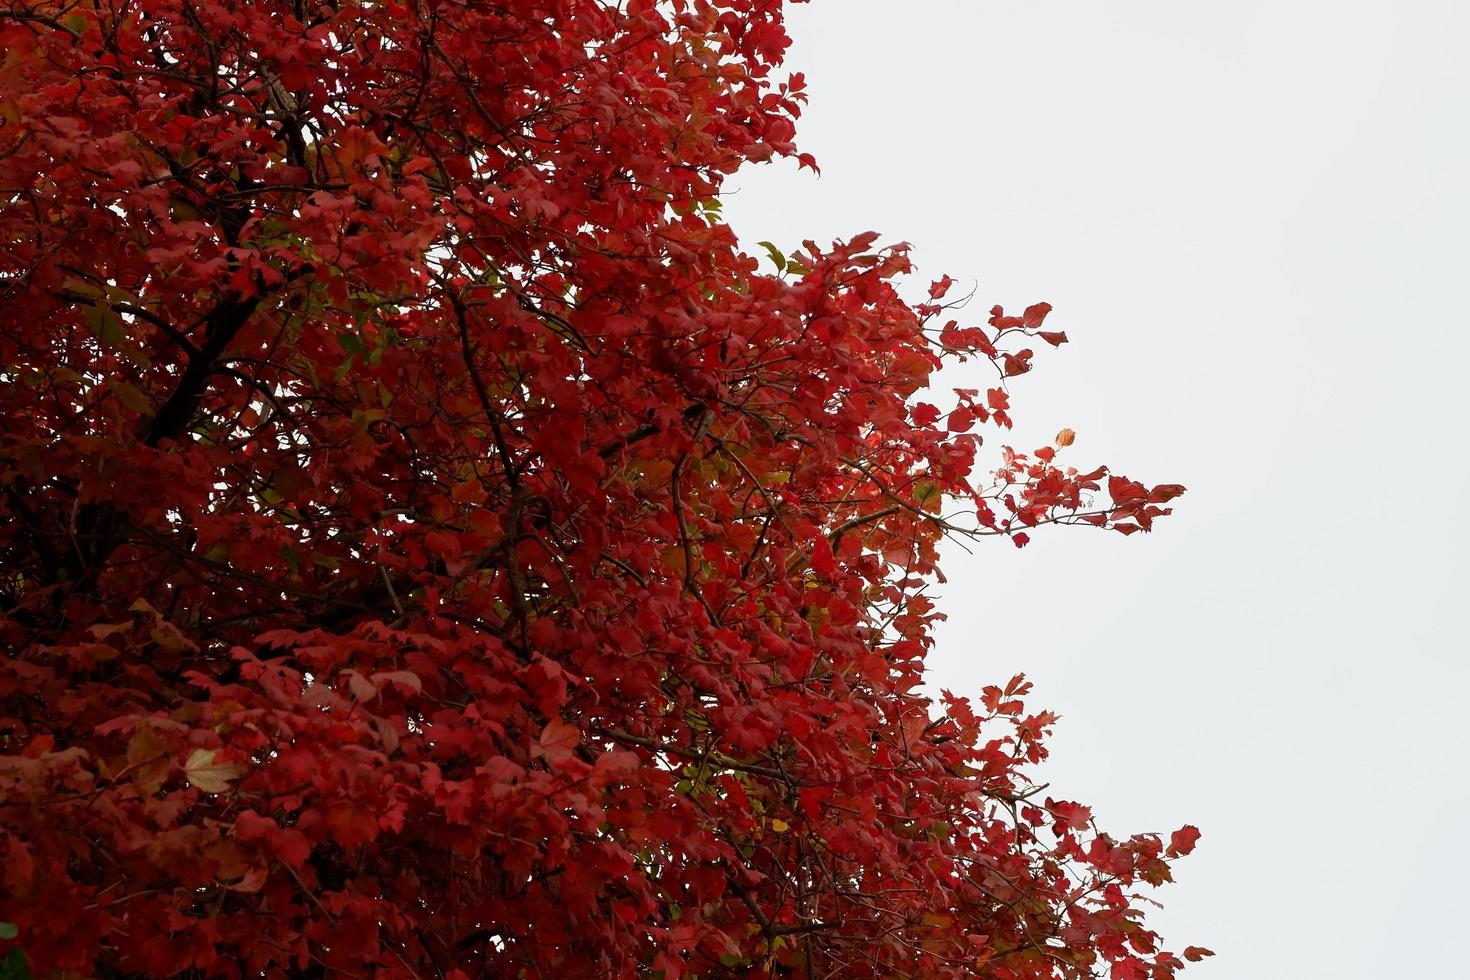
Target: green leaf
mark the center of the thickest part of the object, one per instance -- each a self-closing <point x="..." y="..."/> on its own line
<point x="777" y="258"/>
<point x="8" y="930"/>
<point x="105" y="324"/>
<point x="130" y="396"/>
<point x="15" y="966"/>
<point x="351" y="343"/>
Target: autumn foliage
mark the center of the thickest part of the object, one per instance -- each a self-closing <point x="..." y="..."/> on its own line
<point x="431" y="547"/>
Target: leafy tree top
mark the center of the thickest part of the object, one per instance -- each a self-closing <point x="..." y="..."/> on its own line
<point x="431" y="547"/>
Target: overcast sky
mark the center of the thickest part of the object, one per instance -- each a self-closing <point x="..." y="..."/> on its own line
<point x="1252" y="220"/>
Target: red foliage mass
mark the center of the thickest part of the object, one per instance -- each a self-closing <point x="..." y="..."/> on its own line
<point x="429" y="546"/>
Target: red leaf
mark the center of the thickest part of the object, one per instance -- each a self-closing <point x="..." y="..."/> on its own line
<point x="1182" y="841"/>
<point x="1018" y="363"/>
<point x="1165" y="492"/>
<point x="924" y="414"/>
<point x="1035" y="314"/>
<point x="405" y="679"/>
<point x="1124" y="490"/>
<point x="558" y="741"/>
<point x="1129" y="969"/>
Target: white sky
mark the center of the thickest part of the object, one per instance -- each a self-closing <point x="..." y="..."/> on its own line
<point x="1252" y="219"/>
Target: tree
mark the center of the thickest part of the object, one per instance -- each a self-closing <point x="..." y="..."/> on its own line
<point x="430" y="546"/>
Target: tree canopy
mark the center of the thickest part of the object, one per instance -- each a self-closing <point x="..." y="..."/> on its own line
<point x="430" y="546"/>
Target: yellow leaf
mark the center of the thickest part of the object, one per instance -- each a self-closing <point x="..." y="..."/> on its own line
<point x="1066" y="437"/>
<point x="207" y="775"/>
<point x="928" y="495"/>
<point x="780" y="826"/>
<point x="168" y="636"/>
<point x="102" y="631"/>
